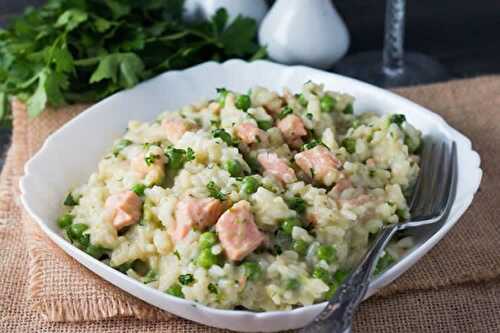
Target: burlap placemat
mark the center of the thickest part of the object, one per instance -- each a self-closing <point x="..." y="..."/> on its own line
<point x="62" y="290"/>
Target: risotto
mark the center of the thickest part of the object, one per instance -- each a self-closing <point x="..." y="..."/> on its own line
<point x="250" y="200"/>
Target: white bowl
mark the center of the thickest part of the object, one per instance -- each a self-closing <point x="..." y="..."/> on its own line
<point x="71" y="154"/>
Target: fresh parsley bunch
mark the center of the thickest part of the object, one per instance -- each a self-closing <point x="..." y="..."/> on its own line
<point x="84" y="50"/>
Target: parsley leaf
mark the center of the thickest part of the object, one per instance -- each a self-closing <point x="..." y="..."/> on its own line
<point x="70" y="51"/>
<point x="214" y="191"/>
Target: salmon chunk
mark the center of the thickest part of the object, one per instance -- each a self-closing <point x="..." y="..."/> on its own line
<point x="319" y="163"/>
<point x="292" y="128"/>
<point x="277" y="167"/>
<point x="175" y="128"/>
<point x="249" y="133"/>
<point x="195" y="213"/>
<point x="238" y="233"/>
<point x="124" y="209"/>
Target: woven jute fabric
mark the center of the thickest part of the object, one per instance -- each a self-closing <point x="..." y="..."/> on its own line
<point x="456" y="287"/>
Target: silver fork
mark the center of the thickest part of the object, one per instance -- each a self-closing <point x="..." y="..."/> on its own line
<point x="431" y="201"/>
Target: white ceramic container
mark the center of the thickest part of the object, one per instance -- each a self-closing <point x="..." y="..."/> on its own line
<point x="71" y="154"/>
<point x="304" y="32"/>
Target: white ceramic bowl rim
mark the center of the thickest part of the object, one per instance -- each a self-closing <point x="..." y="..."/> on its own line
<point x="51" y="146"/>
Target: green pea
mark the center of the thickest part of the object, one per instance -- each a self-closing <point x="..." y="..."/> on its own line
<point x="292" y="284"/>
<point x="186" y="279"/>
<point x="265" y="124"/>
<point x="206" y="259"/>
<point x="243" y="102"/>
<point x="65" y="221"/>
<point x="234" y="168"/>
<point x="97" y="252"/>
<point x="75" y="231"/>
<point x="340" y="276"/>
<point x="322" y="274"/>
<point x="175" y="290"/>
<point x="207" y="239"/>
<point x="252" y="270"/>
<point x="350" y="145"/>
<point x="139" y="189"/>
<point x="288" y="224"/>
<point x="327" y="103"/>
<point x="300" y="246"/>
<point x="326" y="252"/>
<point x="250" y="185"/>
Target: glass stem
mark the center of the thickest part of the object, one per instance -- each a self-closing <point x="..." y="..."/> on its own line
<point x="393" y="53"/>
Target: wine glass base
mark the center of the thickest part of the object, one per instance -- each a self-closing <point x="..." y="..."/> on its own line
<point x="367" y="66"/>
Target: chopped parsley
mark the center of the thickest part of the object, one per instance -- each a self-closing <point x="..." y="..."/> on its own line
<point x="178" y="157"/>
<point x="285" y="112"/>
<point x="214" y="191"/>
<point x="175" y="290"/>
<point x="311" y="144"/>
<point x="221" y="96"/>
<point x="150" y="159"/>
<point x="71" y="200"/>
<point x="120" y="145"/>
<point x="212" y="288"/>
<point x="186" y="279"/>
<point x="397" y="119"/>
<point x="138" y="189"/>
<point x="176" y="253"/>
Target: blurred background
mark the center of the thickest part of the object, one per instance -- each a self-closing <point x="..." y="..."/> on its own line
<point x="463" y="35"/>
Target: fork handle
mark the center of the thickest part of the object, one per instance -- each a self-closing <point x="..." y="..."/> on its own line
<point x="338" y="314"/>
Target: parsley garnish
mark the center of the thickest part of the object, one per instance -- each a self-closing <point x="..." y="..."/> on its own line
<point x="73" y="51"/>
<point x="285" y="112"/>
<point x="150" y="159"/>
<point x="397" y="119"/>
<point x="214" y="191"/>
<point x="212" y="288"/>
<point x="186" y="279"/>
<point x="71" y="200"/>
<point x="178" y="157"/>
